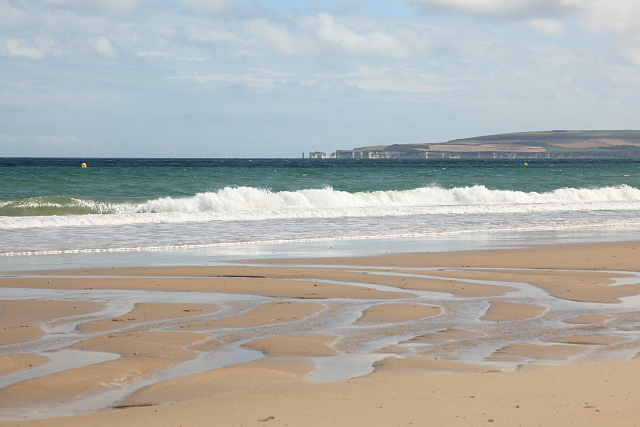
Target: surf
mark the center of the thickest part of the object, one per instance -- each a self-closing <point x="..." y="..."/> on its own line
<point x="254" y="204"/>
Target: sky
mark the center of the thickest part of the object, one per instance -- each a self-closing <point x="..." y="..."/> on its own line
<point x="258" y="78"/>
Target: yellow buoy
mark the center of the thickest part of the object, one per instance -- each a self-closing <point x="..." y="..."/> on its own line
<point x="83" y="165"/>
<point x="524" y="164"/>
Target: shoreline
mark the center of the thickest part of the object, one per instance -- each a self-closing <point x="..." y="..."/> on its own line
<point x="272" y="341"/>
<point x="223" y="254"/>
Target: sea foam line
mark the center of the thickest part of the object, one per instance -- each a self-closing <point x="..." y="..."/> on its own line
<point x="631" y="223"/>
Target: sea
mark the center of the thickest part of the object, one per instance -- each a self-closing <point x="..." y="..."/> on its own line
<point x="128" y="211"/>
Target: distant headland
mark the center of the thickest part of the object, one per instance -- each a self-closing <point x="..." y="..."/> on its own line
<point x="556" y="144"/>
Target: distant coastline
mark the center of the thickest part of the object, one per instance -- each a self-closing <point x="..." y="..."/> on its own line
<point x="556" y="144"/>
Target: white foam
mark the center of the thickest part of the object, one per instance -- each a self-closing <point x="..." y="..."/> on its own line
<point x="252" y="204"/>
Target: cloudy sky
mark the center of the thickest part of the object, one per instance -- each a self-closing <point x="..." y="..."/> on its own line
<point x="274" y="78"/>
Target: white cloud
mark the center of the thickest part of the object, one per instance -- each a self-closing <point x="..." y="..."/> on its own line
<point x="324" y="35"/>
<point x="104" y="47"/>
<point x="548" y="27"/>
<point x="153" y="55"/>
<point x="209" y="35"/>
<point x="396" y="85"/>
<point x="632" y="55"/>
<point x="519" y="9"/>
<point x="109" y="6"/>
<point x="380" y="79"/>
<point x="620" y="17"/>
<point x="34" y="49"/>
<point x="253" y="80"/>
<point x="374" y="43"/>
<point x="617" y="15"/>
<point x="16" y="48"/>
<point x="11" y="16"/>
<point x="279" y="37"/>
<point x="167" y="56"/>
<point x="601" y="17"/>
<point x="210" y="5"/>
<point x="383" y="79"/>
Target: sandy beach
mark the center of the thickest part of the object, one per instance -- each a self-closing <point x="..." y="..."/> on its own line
<point x="537" y="336"/>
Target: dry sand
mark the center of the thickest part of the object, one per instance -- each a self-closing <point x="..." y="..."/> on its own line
<point x="506" y="310"/>
<point x="540" y="336"/>
<point x="11" y="363"/>
<point x="396" y="313"/>
<point x="20" y="320"/>
<point x="592" y="319"/>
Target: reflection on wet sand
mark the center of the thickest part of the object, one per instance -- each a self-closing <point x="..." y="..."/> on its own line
<point x="135" y="331"/>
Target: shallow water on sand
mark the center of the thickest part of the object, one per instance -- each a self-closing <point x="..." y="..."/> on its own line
<point x="458" y="334"/>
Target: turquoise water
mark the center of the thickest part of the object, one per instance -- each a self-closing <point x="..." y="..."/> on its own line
<point x="149" y="178"/>
<point x="52" y="206"/>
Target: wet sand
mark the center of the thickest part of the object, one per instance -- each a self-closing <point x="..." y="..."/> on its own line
<point x="545" y="335"/>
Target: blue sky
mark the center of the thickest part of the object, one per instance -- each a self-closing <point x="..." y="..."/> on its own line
<point x="216" y="78"/>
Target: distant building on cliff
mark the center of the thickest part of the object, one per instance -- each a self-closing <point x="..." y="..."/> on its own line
<point x="317" y="155"/>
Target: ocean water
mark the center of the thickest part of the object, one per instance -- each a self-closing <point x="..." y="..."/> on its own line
<point x="54" y="207"/>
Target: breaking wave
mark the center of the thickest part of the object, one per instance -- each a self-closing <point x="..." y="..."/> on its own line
<point x="250" y="204"/>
